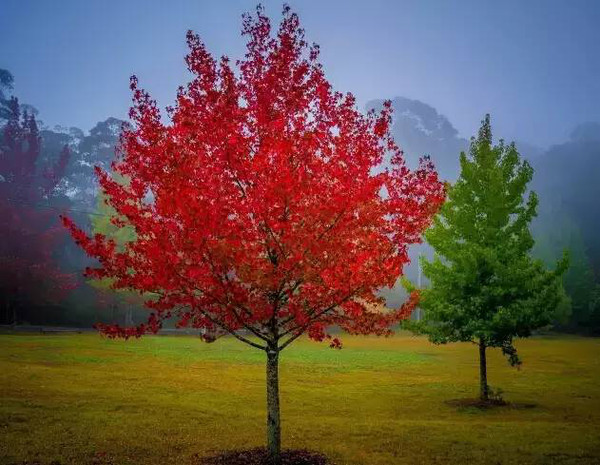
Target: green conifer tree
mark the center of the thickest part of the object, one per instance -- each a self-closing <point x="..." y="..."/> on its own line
<point x="484" y="285"/>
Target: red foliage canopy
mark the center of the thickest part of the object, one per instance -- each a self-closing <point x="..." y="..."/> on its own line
<point x="258" y="208"/>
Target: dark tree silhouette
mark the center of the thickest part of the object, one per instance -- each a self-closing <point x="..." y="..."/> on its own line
<point x="29" y="227"/>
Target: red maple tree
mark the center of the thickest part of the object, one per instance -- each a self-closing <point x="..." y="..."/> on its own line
<point x="258" y="209"/>
<point x="30" y="232"/>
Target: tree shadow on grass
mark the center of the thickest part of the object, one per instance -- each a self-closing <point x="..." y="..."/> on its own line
<point x="259" y="456"/>
<point x="488" y="404"/>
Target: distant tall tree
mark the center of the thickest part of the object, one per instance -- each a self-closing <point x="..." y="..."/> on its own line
<point x="555" y="233"/>
<point x="594" y="310"/>
<point x="29" y="230"/>
<point x="258" y="212"/>
<point x="95" y="149"/>
<point x="484" y="286"/>
<point x="6" y="85"/>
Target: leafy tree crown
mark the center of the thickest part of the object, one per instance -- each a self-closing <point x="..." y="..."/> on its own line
<point x="484" y="284"/>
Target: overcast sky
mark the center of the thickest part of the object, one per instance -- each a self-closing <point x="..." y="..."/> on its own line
<point x="533" y="64"/>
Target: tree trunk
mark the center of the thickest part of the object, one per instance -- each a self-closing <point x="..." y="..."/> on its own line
<point x="273" y="419"/>
<point x="6" y="312"/>
<point x="11" y="313"/>
<point x="483" y="385"/>
<point x="128" y="316"/>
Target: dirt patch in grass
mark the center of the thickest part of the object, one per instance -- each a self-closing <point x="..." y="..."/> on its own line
<point x="487" y="404"/>
<point x="260" y="456"/>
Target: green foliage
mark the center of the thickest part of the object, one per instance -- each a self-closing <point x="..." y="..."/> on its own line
<point x="559" y="231"/>
<point x="484" y="284"/>
<point x="102" y="223"/>
<point x="496" y="394"/>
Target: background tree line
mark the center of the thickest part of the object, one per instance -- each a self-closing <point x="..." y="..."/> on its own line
<point x="565" y="179"/>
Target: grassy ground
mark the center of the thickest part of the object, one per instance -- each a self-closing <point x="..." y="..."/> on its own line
<point x="82" y="399"/>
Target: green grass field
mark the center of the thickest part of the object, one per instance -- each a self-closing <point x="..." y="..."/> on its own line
<point x="83" y="399"/>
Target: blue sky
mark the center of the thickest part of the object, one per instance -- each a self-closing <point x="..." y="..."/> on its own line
<point x="533" y="64"/>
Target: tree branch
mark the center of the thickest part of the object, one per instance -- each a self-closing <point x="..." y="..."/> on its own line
<point x="316" y="315"/>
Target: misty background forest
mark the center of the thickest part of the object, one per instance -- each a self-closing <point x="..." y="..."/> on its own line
<point x="62" y="161"/>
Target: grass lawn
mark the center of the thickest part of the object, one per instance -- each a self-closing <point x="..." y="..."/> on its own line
<point x="83" y="399"/>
